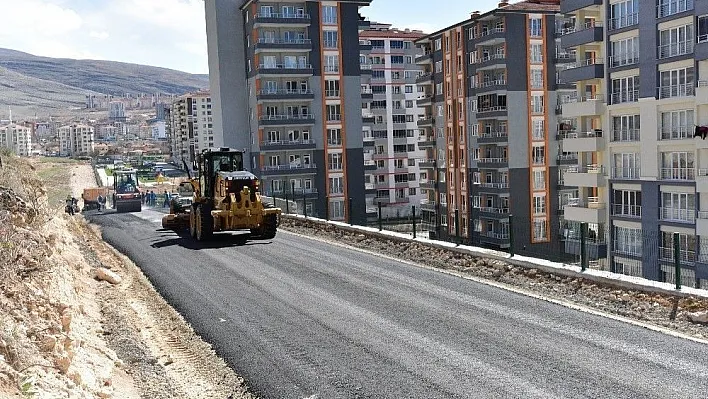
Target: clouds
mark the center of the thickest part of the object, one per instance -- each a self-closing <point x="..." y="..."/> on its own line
<point x="167" y="33"/>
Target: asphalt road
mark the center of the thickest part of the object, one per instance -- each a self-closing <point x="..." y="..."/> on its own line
<point x="298" y="318"/>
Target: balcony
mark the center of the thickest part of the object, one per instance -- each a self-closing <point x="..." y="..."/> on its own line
<point x="365" y="69"/>
<point x="687" y="174"/>
<point x="491" y="85"/>
<point x="424" y="59"/>
<point x="491" y="112"/>
<point x="427" y="205"/>
<point x="492" y="187"/>
<point x="584" y="106"/>
<point x="272" y="44"/>
<point x="591" y="210"/>
<point x="678" y="215"/>
<point x="584" y="70"/>
<point x="588" y="176"/>
<point x="674" y="91"/>
<point x="277" y="19"/>
<point x="493" y="163"/>
<point x="302" y="70"/>
<point x="495" y="238"/>
<point x="491" y="61"/>
<point x="625" y="135"/>
<point x="427" y="142"/>
<point x="564" y="57"/>
<point x="627" y="211"/>
<point x="369" y="165"/>
<point x="427" y="121"/>
<point x="368" y="119"/>
<point x="591" y="32"/>
<point x="284" y="94"/>
<point x="676" y="132"/>
<point x="428" y="184"/>
<point x="624" y="97"/>
<point x="287" y="120"/>
<point x="626" y="173"/>
<point x="491" y="37"/>
<point x="567" y="159"/>
<point x="493" y="137"/>
<point x="568" y="6"/>
<point x="426" y="78"/>
<point x="425" y="101"/>
<point x="584" y="141"/>
<point x="276" y="145"/>
<point x="365" y="45"/>
<point x="426" y="163"/>
<point x="493" y="213"/>
<point x="293" y="169"/>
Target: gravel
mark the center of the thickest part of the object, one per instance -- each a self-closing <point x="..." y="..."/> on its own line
<point x="662" y="310"/>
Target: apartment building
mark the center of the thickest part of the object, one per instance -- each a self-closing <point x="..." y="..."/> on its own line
<point x="16" y="138"/>
<point x="287" y="88"/>
<point x="640" y="171"/>
<point x="190" y="126"/>
<point x="491" y="156"/>
<point x="390" y="104"/>
<point x="76" y="140"/>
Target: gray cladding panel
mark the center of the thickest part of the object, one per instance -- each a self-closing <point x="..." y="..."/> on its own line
<point x="313" y="8"/>
<point x="647" y="59"/>
<point x="650" y="221"/>
<point x="351" y="105"/>
<point x="518" y="126"/>
<point x="517" y="53"/>
<point x="355" y="184"/>
<point x="349" y="18"/>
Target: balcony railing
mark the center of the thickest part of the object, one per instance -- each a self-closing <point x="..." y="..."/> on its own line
<point x="588" y="25"/>
<point x="490" y="83"/>
<point x="586" y="62"/>
<point x="625" y="210"/>
<point x="492" y="109"/>
<point x="330" y="44"/>
<point x="283" y="91"/>
<point x="625" y="97"/>
<point x="281" y="117"/>
<point x="289" y="167"/>
<point x="487" y="209"/>
<point x="620" y="60"/>
<point x="628" y="247"/>
<point x="267" y="40"/>
<point x="675" y="49"/>
<point x="285" y="66"/>
<point x="583" y="135"/>
<point x="592" y="168"/>
<point x="495" y="235"/>
<point x="282" y="15"/>
<point x="625" y="135"/>
<point x="492" y="31"/>
<point x="677" y="173"/>
<point x="681" y="90"/>
<point x="678" y="214"/>
<point x="686" y="256"/>
<point x="538" y="160"/>
<point x="489" y="135"/>
<point x="287" y="142"/>
<point x="624" y="21"/>
<point x="331" y="93"/>
<point x="673" y="7"/>
<point x="494" y="185"/>
<point x="492" y="160"/>
<point x="626" y="173"/>
<point x="674" y="132"/>
<point x="590" y="202"/>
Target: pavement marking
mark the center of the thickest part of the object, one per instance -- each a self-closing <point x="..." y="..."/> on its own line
<point x="516" y="290"/>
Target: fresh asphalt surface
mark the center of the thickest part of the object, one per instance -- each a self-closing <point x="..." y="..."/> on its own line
<point x="298" y="318"/>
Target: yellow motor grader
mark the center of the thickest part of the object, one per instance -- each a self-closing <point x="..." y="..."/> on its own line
<point x="225" y="198"/>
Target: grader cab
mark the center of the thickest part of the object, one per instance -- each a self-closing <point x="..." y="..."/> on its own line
<point x="226" y="198"/>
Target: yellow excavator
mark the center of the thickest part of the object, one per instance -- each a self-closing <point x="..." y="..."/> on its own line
<point x="225" y="198"/>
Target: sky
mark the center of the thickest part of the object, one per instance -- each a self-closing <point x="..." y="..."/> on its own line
<point x="169" y="33"/>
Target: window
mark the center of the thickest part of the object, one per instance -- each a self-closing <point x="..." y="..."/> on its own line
<point x="678" y="165"/>
<point x="329" y="15"/>
<point x="703" y="29"/>
<point x="687" y="247"/>
<point x="538" y="155"/>
<point x="625" y="128"/>
<point x="625" y="90"/>
<point x="331" y="63"/>
<point x="628" y="241"/>
<point x="536" y="53"/>
<point x="335" y="161"/>
<point x="539" y="204"/>
<point x="626" y="166"/>
<point x="336" y="185"/>
<point x="676" y="83"/>
<point x="624" y="52"/>
<point x="676" y="124"/>
<point x="627" y="203"/>
<point x="539" y="179"/>
<point x="334" y="136"/>
<point x="537" y="79"/>
<point x="540" y="232"/>
<point x="438" y="44"/>
<point x="538" y="129"/>
<point x="537" y="103"/>
<point x="678" y="207"/>
<point x="535" y="27"/>
<point x="676" y="41"/>
<point x="336" y="209"/>
<point x="671" y="7"/>
<point x="330" y="39"/>
<point x="624" y="13"/>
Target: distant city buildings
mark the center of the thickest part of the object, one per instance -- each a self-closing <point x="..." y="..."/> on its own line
<point x="130" y="101"/>
<point x="16" y="138"/>
<point x="158" y="130"/>
<point x="76" y="140"/>
<point x="190" y="126"/>
<point x="116" y="111"/>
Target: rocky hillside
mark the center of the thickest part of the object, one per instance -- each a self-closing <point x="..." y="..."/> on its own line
<point x="32" y="82"/>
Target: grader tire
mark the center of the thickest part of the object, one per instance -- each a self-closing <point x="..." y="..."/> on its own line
<point x="270" y="227"/>
<point x="205" y="223"/>
<point x="193" y="222"/>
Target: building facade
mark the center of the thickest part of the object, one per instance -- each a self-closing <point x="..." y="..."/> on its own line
<point x="490" y="128"/>
<point x="640" y="172"/>
<point x="287" y="89"/>
<point x="75" y="140"/>
<point x="116" y="111"/>
<point x="16" y="138"/>
<point x="190" y="126"/>
<point x="390" y="103"/>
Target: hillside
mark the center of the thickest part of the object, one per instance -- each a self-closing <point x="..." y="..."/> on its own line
<point x="48" y="85"/>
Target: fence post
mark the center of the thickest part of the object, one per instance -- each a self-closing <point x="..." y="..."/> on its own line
<point x="304" y="203"/>
<point x="351" y="213"/>
<point x="583" y="246"/>
<point x="414" y="221"/>
<point x="380" y="225"/>
<point x="292" y="187"/>
<point x="457" y="226"/>
<point x="327" y="209"/>
<point x="677" y="260"/>
<point x="511" y="235"/>
<point x="287" y="202"/>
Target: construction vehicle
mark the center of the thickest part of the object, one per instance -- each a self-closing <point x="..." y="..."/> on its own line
<point x="90" y="197"/>
<point x="126" y="191"/>
<point x="226" y="198"/>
